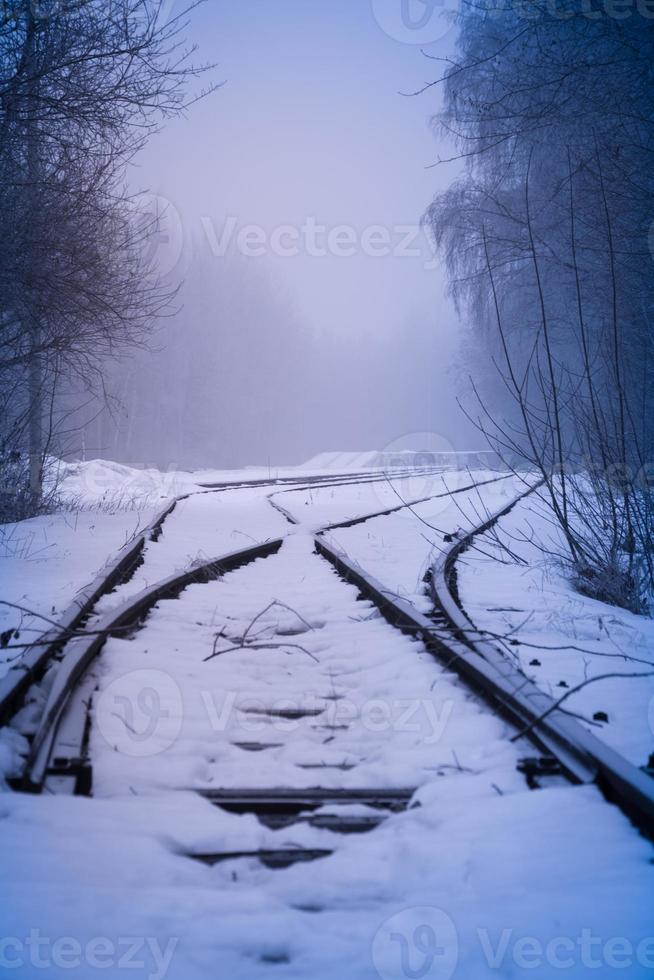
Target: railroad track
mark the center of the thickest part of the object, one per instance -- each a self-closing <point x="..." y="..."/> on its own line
<point x="47" y="651"/>
<point x="563" y="739"/>
<point x="333" y="778"/>
<point x="82" y="649"/>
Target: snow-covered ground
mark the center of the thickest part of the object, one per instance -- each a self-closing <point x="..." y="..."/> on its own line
<point x="480" y="878"/>
<point x="46" y="560"/>
<point x="560" y="638"/>
<point x="398" y="549"/>
<point x="469" y="885"/>
<point x="319" y="506"/>
<point x="206" y="525"/>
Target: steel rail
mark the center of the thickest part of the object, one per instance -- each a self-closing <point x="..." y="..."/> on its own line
<point x="365" y="476"/>
<point x="385" y="512"/>
<point x="32" y="666"/>
<point x="83" y="650"/>
<point x="16" y="683"/>
<point x="623" y="783"/>
<point x="448" y="635"/>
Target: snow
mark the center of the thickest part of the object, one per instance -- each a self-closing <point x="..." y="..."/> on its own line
<point x="564" y="638"/>
<point x="343" y="461"/>
<point x="204" y="526"/>
<point x="106" y="484"/>
<point x="317" y="507"/>
<point x="45" y="561"/>
<point x="355" y="675"/>
<point x="479" y="878"/>
<point x="394" y="458"/>
<point x="477" y="865"/>
<point x="213" y="523"/>
<point x="399" y="548"/>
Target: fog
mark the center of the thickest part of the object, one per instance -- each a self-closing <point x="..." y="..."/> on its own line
<point x="313" y="314"/>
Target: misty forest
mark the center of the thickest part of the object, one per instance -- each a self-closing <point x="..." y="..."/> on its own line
<point x="326" y="489"/>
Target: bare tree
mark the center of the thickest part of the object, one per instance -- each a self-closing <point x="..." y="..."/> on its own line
<point x="546" y="238"/>
<point x="83" y="84"/>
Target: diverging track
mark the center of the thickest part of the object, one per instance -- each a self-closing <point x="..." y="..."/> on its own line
<point x="295" y="772"/>
<point x="288" y="670"/>
<point x="19" y="688"/>
<point x="278" y="690"/>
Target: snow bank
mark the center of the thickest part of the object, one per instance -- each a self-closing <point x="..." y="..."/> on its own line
<point x="561" y="638"/>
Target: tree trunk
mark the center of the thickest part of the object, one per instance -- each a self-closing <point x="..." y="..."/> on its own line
<point x="35" y="381"/>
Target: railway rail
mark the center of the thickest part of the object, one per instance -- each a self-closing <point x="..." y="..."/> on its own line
<point x="551" y="746"/>
<point x="587" y="758"/>
<point x="58" y="755"/>
<point x="47" y="651"/>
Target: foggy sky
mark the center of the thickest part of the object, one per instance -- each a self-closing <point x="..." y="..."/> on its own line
<point x="308" y="133"/>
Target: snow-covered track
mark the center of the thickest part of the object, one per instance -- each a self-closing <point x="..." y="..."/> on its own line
<point x="30" y="669"/>
<point x="331" y="652"/>
<point x="328" y="479"/>
<point x="60" y="756"/>
<point x="351" y="767"/>
<point x="585" y="757"/>
<point x="58" y="750"/>
<point x="32" y="666"/>
<point x="69" y="631"/>
<point x="484" y="678"/>
<point x="386" y="511"/>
